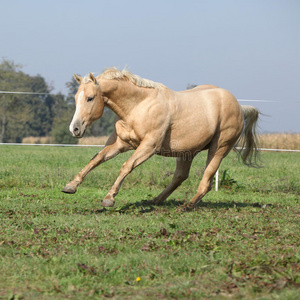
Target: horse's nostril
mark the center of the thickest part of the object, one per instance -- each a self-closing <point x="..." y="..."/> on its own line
<point x="76" y="129"/>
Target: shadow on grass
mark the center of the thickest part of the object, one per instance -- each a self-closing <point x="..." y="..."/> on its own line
<point x="143" y="206"/>
<point x="146" y="206"/>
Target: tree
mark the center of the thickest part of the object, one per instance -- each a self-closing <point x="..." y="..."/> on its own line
<point x="41" y="113"/>
<point x="23" y="115"/>
<point x="8" y="69"/>
<point x="64" y="109"/>
<point x="63" y="114"/>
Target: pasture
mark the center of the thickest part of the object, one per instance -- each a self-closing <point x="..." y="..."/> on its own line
<point x="240" y="242"/>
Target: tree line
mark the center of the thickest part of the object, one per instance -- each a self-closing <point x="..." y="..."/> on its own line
<point x="42" y="113"/>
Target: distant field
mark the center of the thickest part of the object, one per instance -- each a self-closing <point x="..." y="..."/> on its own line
<point x="280" y="141"/>
<point x="93" y="140"/>
<point x="271" y="141"/>
<point x="242" y="242"/>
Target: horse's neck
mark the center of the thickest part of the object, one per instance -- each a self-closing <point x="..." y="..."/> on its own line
<point x="122" y="96"/>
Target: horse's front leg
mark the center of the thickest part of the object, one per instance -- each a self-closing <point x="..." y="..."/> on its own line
<point x="108" y="152"/>
<point x="141" y="154"/>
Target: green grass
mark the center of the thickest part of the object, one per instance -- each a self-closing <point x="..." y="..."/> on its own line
<point x="242" y="242"/>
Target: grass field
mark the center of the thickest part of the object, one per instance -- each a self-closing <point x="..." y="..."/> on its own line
<point x="242" y="242"/>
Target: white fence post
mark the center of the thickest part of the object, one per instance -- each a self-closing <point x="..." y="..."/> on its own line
<point x="217" y="180"/>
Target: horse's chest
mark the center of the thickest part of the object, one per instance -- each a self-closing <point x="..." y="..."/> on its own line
<point x="127" y="134"/>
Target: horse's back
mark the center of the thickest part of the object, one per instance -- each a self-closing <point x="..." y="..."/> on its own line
<point x="220" y="106"/>
<point x="200" y="114"/>
<point x="207" y="99"/>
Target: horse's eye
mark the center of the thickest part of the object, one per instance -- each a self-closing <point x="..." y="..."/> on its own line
<point x="90" y="99"/>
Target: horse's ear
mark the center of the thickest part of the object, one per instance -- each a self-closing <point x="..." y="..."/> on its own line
<point x="78" y="78"/>
<point x="92" y="77"/>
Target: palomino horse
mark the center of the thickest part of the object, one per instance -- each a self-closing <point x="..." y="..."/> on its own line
<point x="153" y="119"/>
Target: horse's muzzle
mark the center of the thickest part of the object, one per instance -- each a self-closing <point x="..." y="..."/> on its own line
<point x="77" y="129"/>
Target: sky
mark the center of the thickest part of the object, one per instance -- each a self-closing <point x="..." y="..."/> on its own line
<point x="249" y="47"/>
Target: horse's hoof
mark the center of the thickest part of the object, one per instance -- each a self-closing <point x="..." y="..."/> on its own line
<point x="68" y="189"/>
<point x="108" y="202"/>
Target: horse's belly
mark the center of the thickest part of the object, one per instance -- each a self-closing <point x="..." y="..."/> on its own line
<point x="189" y="144"/>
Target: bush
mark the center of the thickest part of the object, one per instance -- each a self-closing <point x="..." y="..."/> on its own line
<point x="62" y="135"/>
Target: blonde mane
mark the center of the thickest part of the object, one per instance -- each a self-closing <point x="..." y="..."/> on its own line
<point x="115" y="74"/>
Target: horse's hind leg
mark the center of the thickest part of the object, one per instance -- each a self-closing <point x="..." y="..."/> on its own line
<point x="214" y="159"/>
<point x="183" y="166"/>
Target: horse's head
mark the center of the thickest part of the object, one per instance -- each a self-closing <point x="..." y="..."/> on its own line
<point x="89" y="104"/>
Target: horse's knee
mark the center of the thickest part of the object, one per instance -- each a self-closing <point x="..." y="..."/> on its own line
<point x="126" y="168"/>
